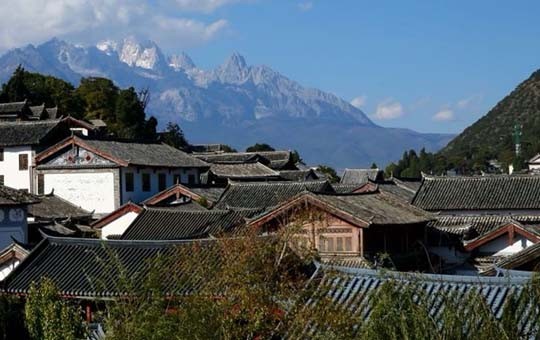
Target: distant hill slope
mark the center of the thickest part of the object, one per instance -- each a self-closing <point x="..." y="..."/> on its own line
<point x="492" y="135"/>
<point x="235" y="103"/>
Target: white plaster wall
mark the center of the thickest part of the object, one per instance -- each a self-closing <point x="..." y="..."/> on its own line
<point x="13" y="177"/>
<point x="8" y="268"/>
<point x="138" y="194"/>
<point x="499" y="246"/>
<point x="93" y="191"/>
<point x="118" y="226"/>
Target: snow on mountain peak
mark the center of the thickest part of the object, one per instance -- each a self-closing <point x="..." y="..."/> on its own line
<point x="181" y="62"/>
<point x="236" y="60"/>
<point x="108" y="46"/>
<point x="134" y="52"/>
<point x="233" y="70"/>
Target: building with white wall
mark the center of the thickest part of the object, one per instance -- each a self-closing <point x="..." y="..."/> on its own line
<point x="102" y="175"/>
<point x="19" y="143"/>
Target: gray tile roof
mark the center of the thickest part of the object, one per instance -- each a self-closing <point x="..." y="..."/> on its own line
<point x="52" y="112"/>
<point x="29" y="133"/>
<point x="495" y="192"/>
<point x="266" y="194"/>
<point x="242" y="170"/>
<point x="529" y="257"/>
<point x="399" y="191"/>
<point x="276" y="160"/>
<point x="83" y="267"/>
<point x="376" y="208"/>
<point x="145" y="154"/>
<point x="54" y="207"/>
<point x="360" y="176"/>
<point x="15" y="110"/>
<point x="37" y="111"/>
<point x="210" y="193"/>
<point x="345" y="188"/>
<point x="298" y="175"/>
<point x="12" y="107"/>
<point x="354" y="288"/>
<point x="470" y="226"/>
<point x="10" y="196"/>
<point x="170" y="224"/>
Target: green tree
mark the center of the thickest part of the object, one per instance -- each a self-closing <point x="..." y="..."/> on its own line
<point x="12" y="318"/>
<point x="48" y="317"/>
<point x="228" y="148"/>
<point x="41" y="89"/>
<point x="15" y="89"/>
<point x="99" y="96"/>
<point x="260" y="147"/>
<point x="330" y="173"/>
<point x="174" y="136"/>
<point x="296" y="158"/>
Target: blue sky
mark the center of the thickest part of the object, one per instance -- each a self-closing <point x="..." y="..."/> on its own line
<point x="433" y="66"/>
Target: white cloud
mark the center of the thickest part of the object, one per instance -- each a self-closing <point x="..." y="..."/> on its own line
<point x="305" y="6"/>
<point x="388" y="109"/>
<point x="204" y="5"/>
<point x="33" y="21"/>
<point x="444" y="115"/>
<point x="359" y="101"/>
<point x="469" y="101"/>
<point x="190" y="30"/>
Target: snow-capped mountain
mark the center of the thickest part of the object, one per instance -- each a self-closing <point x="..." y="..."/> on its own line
<point x="234" y="103"/>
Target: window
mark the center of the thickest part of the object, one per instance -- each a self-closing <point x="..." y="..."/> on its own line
<point x="162" y="182"/>
<point x="348" y="243"/>
<point x="339" y="243"/>
<point x="176" y="179"/>
<point x="1" y="155"/>
<point x="129" y="182"/>
<point x="23" y="161"/>
<point x="329" y="244"/>
<point x="40" y="184"/>
<point x="1" y="179"/>
<point x="146" y="183"/>
<point x="322" y="243"/>
<point x="191" y="179"/>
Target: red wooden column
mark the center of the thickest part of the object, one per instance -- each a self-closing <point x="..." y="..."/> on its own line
<point x="88" y="313"/>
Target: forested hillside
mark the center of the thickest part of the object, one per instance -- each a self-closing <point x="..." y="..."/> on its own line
<point x="491" y="137"/>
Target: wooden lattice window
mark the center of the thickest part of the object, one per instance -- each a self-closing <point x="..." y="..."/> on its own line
<point x="23" y="161"/>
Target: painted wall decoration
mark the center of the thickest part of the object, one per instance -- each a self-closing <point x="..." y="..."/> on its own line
<point x="78" y="156"/>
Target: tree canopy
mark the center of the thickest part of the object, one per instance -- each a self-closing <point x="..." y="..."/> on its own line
<point x="260" y="147"/>
<point x="123" y="110"/>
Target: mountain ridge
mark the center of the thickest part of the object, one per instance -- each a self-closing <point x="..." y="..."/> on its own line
<point x="492" y="136"/>
<point x="234" y="96"/>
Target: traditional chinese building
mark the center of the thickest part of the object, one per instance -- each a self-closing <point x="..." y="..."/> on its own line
<point x="102" y="175"/>
<point x="349" y="225"/>
<point x="481" y="220"/>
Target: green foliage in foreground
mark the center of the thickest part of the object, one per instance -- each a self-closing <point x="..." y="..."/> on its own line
<point x="48" y="317"/>
<point x="255" y="287"/>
